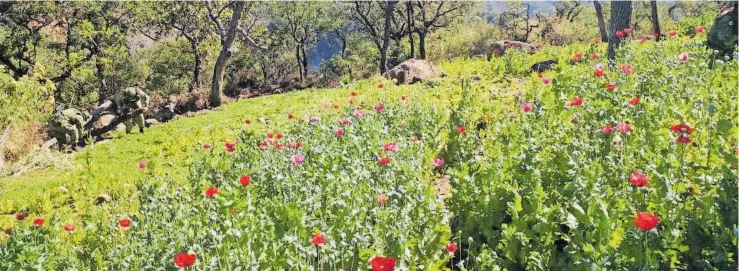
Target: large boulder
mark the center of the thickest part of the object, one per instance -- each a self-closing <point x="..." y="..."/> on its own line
<point x="412" y="71"/>
<point x="105" y="120"/>
<point x="499" y="48"/>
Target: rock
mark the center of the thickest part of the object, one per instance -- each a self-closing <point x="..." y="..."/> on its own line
<point x="150" y="122"/>
<point x="189" y="114"/>
<point x="543" y="65"/>
<point x="499" y="48"/>
<point x="106" y="120"/>
<point x="166" y="113"/>
<point x="412" y="71"/>
<point x="103" y="199"/>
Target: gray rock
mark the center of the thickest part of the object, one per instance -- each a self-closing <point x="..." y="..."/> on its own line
<point x="413" y="71"/>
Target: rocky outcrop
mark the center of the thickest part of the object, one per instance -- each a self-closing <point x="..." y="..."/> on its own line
<point x="412" y="71"/>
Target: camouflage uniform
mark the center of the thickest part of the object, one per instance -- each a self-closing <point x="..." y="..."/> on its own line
<point x="723" y="34"/>
<point x="67" y="123"/>
<point x="132" y="101"/>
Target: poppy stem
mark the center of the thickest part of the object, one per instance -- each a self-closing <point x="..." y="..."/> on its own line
<point x="708" y="141"/>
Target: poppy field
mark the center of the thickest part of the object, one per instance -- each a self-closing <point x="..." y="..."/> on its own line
<point x="588" y="166"/>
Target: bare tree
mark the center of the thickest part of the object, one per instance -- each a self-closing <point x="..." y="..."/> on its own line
<point x="433" y="15"/>
<point x="517" y="18"/>
<point x="601" y="22"/>
<point x="620" y="19"/>
<point x="567" y="9"/>
<point x="368" y="15"/>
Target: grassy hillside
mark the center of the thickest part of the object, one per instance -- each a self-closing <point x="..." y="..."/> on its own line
<point x="539" y="181"/>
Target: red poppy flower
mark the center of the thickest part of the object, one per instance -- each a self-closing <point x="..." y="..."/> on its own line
<point x="627" y="69"/>
<point x="598" y="72"/>
<point x="623" y="127"/>
<point x="344" y="122"/>
<point x="628" y="31"/>
<point x="699" y="29"/>
<point x="646" y="221"/>
<point x="380" y="263"/>
<point x="142" y="165"/>
<point x="683" y="57"/>
<point x="672" y="33"/>
<point x="335" y="106"/>
<point x="278" y="136"/>
<point x="545" y="81"/>
<point x="577" y="57"/>
<point x="655" y="35"/>
<point x="384" y="161"/>
<point x="230" y="147"/>
<point x="643" y="40"/>
<point x="414" y="138"/>
<point x="596" y="41"/>
<point x="594" y="56"/>
<point x="298" y="144"/>
<point x="379" y="108"/>
<point x="526" y="107"/>
<point x="634" y="101"/>
<point x="639" y="179"/>
<point x="245" y="180"/>
<point x="577" y="101"/>
<point x="354" y="93"/>
<point x="380" y="85"/>
<point x="496" y="52"/>
<point x="206" y="146"/>
<point x="298" y="159"/>
<point x="390" y="147"/>
<point x="38" y="222"/>
<point x="270" y="135"/>
<point x="684" y="139"/>
<point x="381" y="199"/>
<point x="683" y="129"/>
<point x="318" y="239"/>
<point x="460" y="129"/>
<point x="247" y="121"/>
<point x="607" y="130"/>
<point x="124" y="223"/>
<point x="69" y="227"/>
<point x="438" y="162"/>
<point x="21" y="216"/>
<point x="340" y="132"/>
<point x="539" y="75"/>
<point x="402" y="98"/>
<point x="9" y="231"/>
<point x="184" y="259"/>
<point x="619" y="33"/>
<point x="211" y="191"/>
<point x="451" y="247"/>
<point x="611" y="86"/>
<point x="290" y="116"/>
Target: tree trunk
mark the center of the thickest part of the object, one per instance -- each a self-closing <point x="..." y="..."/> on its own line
<point x="422" y="44"/>
<point x="386" y="35"/>
<point x="411" y="26"/>
<point x="103" y="84"/>
<point x="655" y="20"/>
<point x="305" y="62"/>
<point x="620" y="19"/>
<point x="225" y="55"/>
<point x="197" y="69"/>
<point x="299" y="60"/>
<point x="601" y="22"/>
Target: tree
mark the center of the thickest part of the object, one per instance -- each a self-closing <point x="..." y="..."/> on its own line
<point x="655" y="20"/>
<point x="601" y="22"/>
<point x="567" y="10"/>
<point x="517" y="18"/>
<point x="188" y="20"/>
<point x="434" y="15"/>
<point x="302" y="21"/>
<point x="620" y="19"/>
<point x="369" y="15"/>
<point x="22" y="21"/>
<point x="227" y="36"/>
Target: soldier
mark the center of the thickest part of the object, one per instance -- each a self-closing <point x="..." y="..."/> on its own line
<point x="132" y="102"/>
<point x="723" y="34"/>
<point x="67" y="122"/>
